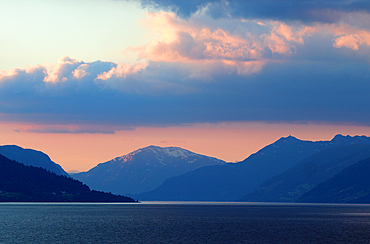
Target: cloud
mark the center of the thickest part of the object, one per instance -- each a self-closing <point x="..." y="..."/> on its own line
<point x="353" y="40"/>
<point x="203" y="69"/>
<point x="307" y="11"/>
<point x="282" y="91"/>
<point x="175" y="39"/>
<point x="73" y="129"/>
<point x="198" y="41"/>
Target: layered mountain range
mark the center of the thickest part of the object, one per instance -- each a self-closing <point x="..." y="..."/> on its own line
<point x="351" y="185"/>
<point x="307" y="174"/>
<point x="231" y="181"/>
<point x="288" y="170"/>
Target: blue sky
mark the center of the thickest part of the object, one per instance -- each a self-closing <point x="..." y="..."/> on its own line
<point x="39" y="31"/>
<point x="104" y="66"/>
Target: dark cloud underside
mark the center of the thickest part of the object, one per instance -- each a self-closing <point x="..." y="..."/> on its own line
<point x="295" y="91"/>
<point x="303" y="10"/>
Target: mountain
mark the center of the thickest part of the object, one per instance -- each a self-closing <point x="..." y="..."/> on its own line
<point x="21" y="183"/>
<point x="231" y="181"/>
<point x="351" y="185"/>
<point x="143" y="170"/>
<point x="32" y="158"/>
<point x="307" y="174"/>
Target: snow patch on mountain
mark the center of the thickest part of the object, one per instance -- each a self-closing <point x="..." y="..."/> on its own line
<point x="144" y="169"/>
<point x="161" y="154"/>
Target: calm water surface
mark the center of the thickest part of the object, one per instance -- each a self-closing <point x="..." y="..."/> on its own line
<point x="163" y="222"/>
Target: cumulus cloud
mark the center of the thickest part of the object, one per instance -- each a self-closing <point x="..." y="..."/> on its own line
<point x="284" y="91"/>
<point x="240" y="42"/>
<point x="352" y="40"/>
<point x="200" y="41"/>
<point x="212" y="66"/>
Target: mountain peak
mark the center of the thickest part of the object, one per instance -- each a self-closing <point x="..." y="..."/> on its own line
<point x="160" y="152"/>
<point x="339" y="138"/>
<point x="289" y="138"/>
<point x="144" y="169"/>
<point x="171" y="151"/>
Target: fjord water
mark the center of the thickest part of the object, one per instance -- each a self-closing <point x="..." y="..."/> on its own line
<point x="190" y="222"/>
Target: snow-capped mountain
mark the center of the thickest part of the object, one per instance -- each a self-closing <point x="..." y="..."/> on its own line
<point x="144" y="169"/>
<point x="231" y="181"/>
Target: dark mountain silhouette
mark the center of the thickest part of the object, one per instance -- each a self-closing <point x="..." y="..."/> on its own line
<point x="21" y="183"/>
<point x="144" y="169"/>
<point x="32" y="158"/>
<point x="231" y="181"/>
<point x="351" y="185"/>
<point x="307" y="174"/>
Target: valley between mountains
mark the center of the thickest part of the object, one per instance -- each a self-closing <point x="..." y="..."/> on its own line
<point x="287" y="170"/>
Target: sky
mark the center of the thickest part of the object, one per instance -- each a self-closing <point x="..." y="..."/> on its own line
<point x="89" y="80"/>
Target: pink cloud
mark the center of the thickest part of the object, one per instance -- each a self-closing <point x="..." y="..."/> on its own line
<point x="349" y="35"/>
<point x="61" y="70"/>
<point x="122" y="70"/>
<point x="35" y="71"/>
<point x="8" y="73"/>
<point x="81" y="71"/>
<point x="349" y="41"/>
<point x="71" y="129"/>
<point x="225" y="46"/>
<point x="353" y="40"/>
<point x="288" y="33"/>
<point x="196" y="41"/>
<point x="200" y="38"/>
<point x="177" y="40"/>
<point x="277" y="44"/>
<point x="196" y="49"/>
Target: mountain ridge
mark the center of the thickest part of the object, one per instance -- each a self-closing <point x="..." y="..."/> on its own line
<point x="351" y="185"/>
<point x="31" y="157"/>
<point x="307" y="174"/>
<point x="143" y="169"/>
<point x="231" y="181"/>
<point x="25" y="183"/>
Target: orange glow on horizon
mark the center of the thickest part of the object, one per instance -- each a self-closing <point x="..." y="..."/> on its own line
<point x="231" y="142"/>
